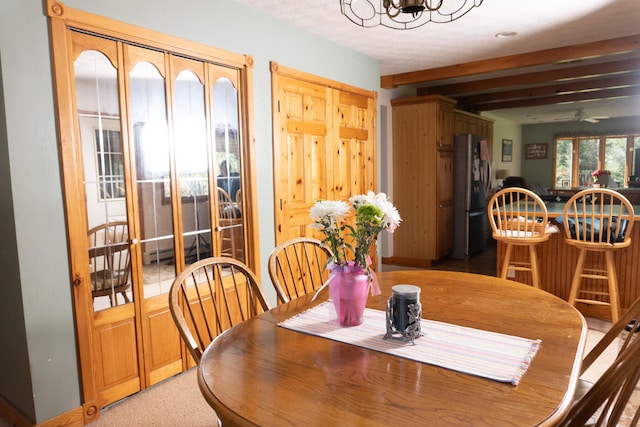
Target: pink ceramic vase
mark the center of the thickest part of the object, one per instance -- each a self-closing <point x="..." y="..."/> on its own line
<point x="349" y="292"/>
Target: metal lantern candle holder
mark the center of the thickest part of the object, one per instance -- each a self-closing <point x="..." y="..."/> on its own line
<point x="404" y="313"/>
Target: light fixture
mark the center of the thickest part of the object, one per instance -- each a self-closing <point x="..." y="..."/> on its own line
<point x="405" y="14"/>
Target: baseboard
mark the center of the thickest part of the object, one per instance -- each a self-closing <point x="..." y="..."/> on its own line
<point x="10" y="414"/>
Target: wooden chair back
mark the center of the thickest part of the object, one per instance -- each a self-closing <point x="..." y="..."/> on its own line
<point x="297" y="267"/>
<point x="518" y="215"/>
<point x="629" y="322"/>
<point x="230" y="221"/>
<point x="605" y="402"/>
<point x="110" y="260"/>
<point x="598" y="218"/>
<point x="227" y="207"/>
<point x="209" y="297"/>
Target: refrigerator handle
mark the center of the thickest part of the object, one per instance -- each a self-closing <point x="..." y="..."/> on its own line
<point x="488" y="183"/>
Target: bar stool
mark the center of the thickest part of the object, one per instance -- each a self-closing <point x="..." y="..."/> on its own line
<point x="597" y="220"/>
<point x="518" y="217"/>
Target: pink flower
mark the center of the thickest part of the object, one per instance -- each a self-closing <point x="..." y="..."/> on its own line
<point x="600" y="172"/>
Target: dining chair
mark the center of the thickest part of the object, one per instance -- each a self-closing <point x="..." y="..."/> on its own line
<point x="605" y="402"/>
<point x="518" y="218"/>
<point x="230" y="221"/>
<point x="110" y="261"/>
<point x="298" y="266"/>
<point x="597" y="221"/>
<point x="209" y="297"/>
<point x="625" y="330"/>
<point x="628" y="322"/>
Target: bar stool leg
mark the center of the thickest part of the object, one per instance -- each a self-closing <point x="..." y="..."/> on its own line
<point x="533" y="259"/>
<point x="506" y="261"/>
<point x="577" y="277"/>
<point x="613" y="287"/>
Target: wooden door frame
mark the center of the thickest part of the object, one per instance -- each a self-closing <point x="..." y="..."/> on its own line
<point x="62" y="20"/>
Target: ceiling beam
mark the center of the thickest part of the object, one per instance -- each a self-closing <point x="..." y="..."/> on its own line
<point x="593" y="86"/>
<point x="574" y="97"/>
<point x="584" y="50"/>
<point x="605" y="68"/>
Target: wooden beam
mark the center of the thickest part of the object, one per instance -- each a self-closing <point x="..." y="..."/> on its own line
<point x="592" y="85"/>
<point x="602" y="47"/>
<point x="605" y="68"/>
<point x="574" y="97"/>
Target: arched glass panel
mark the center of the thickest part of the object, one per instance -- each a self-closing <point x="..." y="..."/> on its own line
<point x="98" y="115"/>
<point x="229" y="162"/>
<point x="192" y="165"/>
<point x="149" y="121"/>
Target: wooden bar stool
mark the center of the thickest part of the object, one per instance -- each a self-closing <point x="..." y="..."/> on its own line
<point x="518" y="217"/>
<point x="597" y="220"/>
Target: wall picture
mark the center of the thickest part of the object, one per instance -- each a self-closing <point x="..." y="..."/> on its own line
<point x="535" y="151"/>
<point x="507" y="150"/>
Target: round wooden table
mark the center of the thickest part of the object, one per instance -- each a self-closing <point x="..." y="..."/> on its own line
<point x="258" y="373"/>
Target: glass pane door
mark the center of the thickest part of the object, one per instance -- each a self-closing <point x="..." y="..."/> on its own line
<point x="192" y="161"/>
<point x="229" y="161"/>
<point x="98" y="117"/>
<point x="151" y="146"/>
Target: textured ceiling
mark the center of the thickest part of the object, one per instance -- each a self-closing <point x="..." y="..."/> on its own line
<point x="540" y="25"/>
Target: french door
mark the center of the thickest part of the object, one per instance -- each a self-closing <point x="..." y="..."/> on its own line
<point x="152" y="142"/>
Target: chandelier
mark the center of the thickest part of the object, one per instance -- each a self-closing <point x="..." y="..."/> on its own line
<point x="405" y="14"/>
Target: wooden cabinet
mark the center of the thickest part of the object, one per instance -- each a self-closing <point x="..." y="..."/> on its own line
<point x="423" y="129"/>
<point x="465" y="122"/>
<point x="423" y="133"/>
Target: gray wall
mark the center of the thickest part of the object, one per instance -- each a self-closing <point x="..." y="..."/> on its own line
<point x="540" y="171"/>
<point x="39" y="375"/>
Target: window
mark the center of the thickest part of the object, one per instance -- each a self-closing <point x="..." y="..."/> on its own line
<point x="110" y="165"/>
<point x="575" y="158"/>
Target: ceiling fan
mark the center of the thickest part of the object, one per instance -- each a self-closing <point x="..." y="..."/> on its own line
<point x="582" y="116"/>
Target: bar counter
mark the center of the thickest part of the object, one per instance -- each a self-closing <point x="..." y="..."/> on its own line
<point x="557" y="261"/>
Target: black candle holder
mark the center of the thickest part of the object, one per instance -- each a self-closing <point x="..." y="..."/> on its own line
<point x="404" y="313"/>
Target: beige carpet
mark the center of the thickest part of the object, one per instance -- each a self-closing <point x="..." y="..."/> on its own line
<point x="175" y="402"/>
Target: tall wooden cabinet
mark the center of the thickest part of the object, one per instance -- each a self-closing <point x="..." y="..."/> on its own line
<point x="423" y="133"/>
<point x="423" y="129"/>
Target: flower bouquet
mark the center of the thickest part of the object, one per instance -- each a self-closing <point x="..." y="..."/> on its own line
<point x="351" y="275"/>
<point x="601" y="177"/>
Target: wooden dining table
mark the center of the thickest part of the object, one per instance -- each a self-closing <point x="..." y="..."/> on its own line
<point x="261" y="374"/>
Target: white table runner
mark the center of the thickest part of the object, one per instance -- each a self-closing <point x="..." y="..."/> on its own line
<point x="499" y="357"/>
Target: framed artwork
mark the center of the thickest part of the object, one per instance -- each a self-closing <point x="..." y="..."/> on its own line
<point x="535" y="151"/>
<point x="507" y="150"/>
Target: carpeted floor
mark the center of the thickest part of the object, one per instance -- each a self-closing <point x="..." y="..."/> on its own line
<point x="175" y="402"/>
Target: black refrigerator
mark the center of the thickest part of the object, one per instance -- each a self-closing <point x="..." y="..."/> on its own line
<point x="471" y="182"/>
